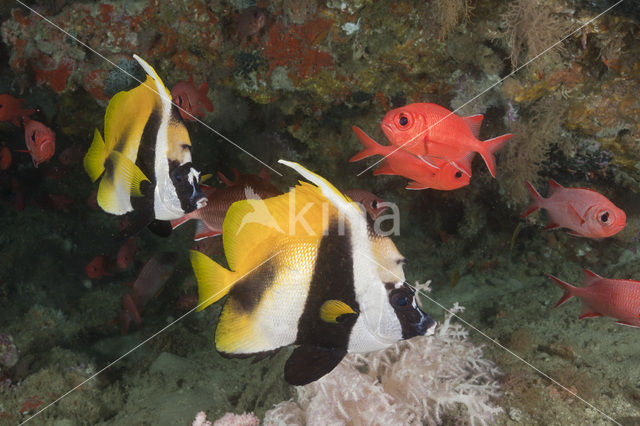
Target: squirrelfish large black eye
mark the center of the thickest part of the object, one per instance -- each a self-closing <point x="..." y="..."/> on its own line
<point x="374" y="204"/>
<point x="179" y="101"/>
<point x="458" y="174"/>
<point x="33" y="136"/>
<point x="604" y="217"/>
<point x="403" y="120"/>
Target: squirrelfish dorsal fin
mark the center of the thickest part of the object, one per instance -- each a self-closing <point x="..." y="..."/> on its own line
<point x="474" y="122"/>
<point x="589" y="277"/>
<point x="333" y="309"/>
<point x="553" y="187"/>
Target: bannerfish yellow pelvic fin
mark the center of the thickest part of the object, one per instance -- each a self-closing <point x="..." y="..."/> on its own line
<point x="305" y="270"/>
<point x="145" y="154"/>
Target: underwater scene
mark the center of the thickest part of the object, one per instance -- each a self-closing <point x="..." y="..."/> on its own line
<point x="320" y="212"/>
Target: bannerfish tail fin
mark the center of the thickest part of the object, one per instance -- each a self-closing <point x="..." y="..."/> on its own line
<point x="371" y="147"/>
<point x="569" y="290"/>
<point x="95" y="157"/>
<point x="489" y="148"/>
<point x="535" y="204"/>
<point x="214" y="281"/>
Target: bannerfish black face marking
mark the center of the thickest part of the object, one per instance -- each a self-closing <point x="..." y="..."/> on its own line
<point x="413" y="320"/>
<point x="185" y="181"/>
<point x="145" y="155"/>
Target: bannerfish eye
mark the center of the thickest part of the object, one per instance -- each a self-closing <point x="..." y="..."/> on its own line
<point x="458" y="174"/>
<point x="400" y="300"/>
<point x="403" y="120"/>
<point x="605" y="217"/>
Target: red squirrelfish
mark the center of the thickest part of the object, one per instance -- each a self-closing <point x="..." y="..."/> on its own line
<point x="129" y="313"/>
<point x="219" y="200"/>
<point x="97" y="268"/>
<point x="373" y="204"/>
<point x="605" y="297"/>
<point x="126" y="253"/>
<point x="40" y="141"/>
<point x="5" y="158"/>
<point x="152" y="277"/>
<point x="250" y="22"/>
<point x="423" y="172"/>
<point x="426" y="129"/>
<point x="190" y="99"/>
<point x="584" y="211"/>
<point x="11" y="109"/>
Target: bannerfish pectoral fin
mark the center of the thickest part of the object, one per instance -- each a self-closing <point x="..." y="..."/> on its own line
<point x="94" y="159"/>
<point x="128" y="173"/>
<point x="332" y="310"/>
<point x="308" y="364"/>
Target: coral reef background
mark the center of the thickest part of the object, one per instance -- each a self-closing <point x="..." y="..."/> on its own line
<point x="292" y="90"/>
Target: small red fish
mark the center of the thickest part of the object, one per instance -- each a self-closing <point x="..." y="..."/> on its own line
<point x="211" y="216"/>
<point x="11" y="109"/>
<point x="373" y="204"/>
<point x="250" y="22"/>
<point x="129" y="313"/>
<point x="193" y="101"/>
<point x="426" y="129"/>
<point x="584" y="211"/>
<point x="152" y="277"/>
<point x="5" y="158"/>
<point x="605" y="297"/>
<point x="40" y="141"/>
<point x="424" y="173"/>
<point x="97" y="268"/>
<point x="126" y="253"/>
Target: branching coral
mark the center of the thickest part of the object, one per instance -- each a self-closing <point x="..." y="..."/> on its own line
<point x="414" y="382"/>
<point x="521" y="159"/>
<point x="450" y="12"/>
<point x="531" y="27"/>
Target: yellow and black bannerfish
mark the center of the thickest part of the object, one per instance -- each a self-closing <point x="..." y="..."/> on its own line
<point x="145" y="153"/>
<point x="306" y="271"/>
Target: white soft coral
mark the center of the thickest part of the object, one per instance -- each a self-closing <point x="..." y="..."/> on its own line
<point x="412" y="382"/>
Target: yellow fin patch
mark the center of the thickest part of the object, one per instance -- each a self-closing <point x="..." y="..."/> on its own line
<point x="95" y="156"/>
<point x="250" y="223"/>
<point x="332" y="309"/>
<point x="128" y="173"/>
<point x="237" y="332"/>
<point x="214" y="281"/>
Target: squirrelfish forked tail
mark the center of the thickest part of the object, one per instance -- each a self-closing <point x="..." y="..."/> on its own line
<point x="569" y="290"/>
<point x="488" y="148"/>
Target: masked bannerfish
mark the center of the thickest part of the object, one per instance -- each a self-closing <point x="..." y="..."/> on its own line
<point x="306" y="271"/>
<point x="145" y="154"/>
